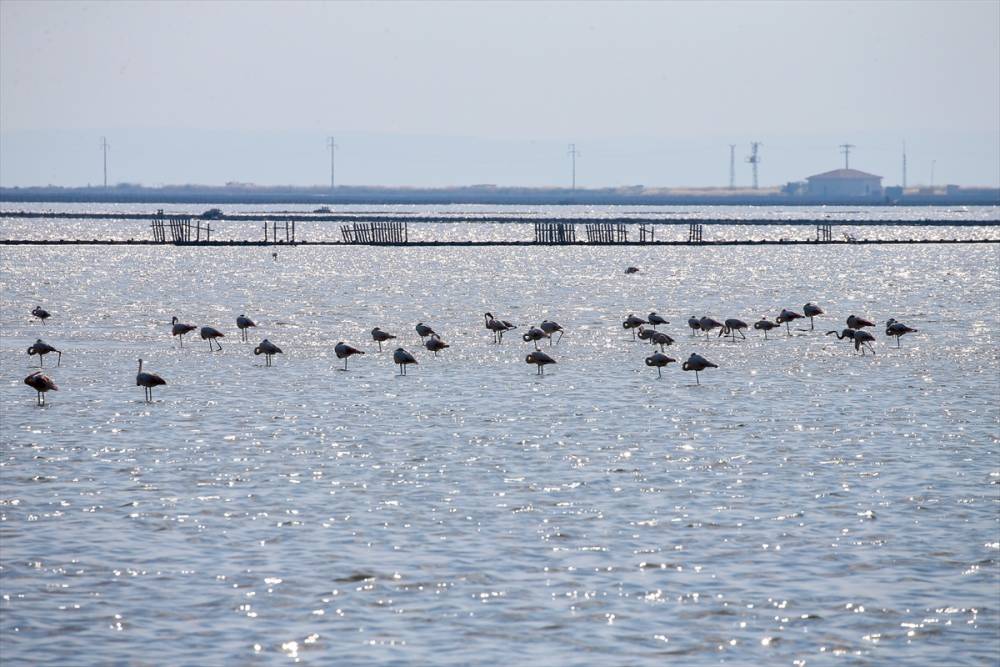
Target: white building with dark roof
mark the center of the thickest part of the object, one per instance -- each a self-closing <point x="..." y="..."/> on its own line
<point x="844" y="183"/>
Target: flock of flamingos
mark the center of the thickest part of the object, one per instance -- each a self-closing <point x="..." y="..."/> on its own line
<point x="732" y="327"/>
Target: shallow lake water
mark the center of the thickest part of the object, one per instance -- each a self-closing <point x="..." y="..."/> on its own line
<point x="802" y="505"/>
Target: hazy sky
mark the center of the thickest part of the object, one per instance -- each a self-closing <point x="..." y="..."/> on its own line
<point x="457" y="93"/>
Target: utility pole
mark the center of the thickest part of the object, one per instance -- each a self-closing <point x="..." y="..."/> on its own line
<point x="904" y="165"/>
<point x="104" y="147"/>
<point x="732" y="166"/>
<point x="933" y="162"/>
<point x="846" y="150"/>
<point x="573" y="153"/>
<point x="332" y="145"/>
<point x="754" y="160"/>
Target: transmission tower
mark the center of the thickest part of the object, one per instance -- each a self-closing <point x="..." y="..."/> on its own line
<point x="332" y="145"/>
<point x="846" y="150"/>
<point x="754" y="160"/>
<point x="104" y="148"/>
<point x="732" y="166"/>
<point x="573" y="153"/>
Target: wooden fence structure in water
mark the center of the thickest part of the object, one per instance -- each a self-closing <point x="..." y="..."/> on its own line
<point x="375" y="233"/>
<point x="606" y="232"/>
<point x="179" y="229"/>
<point x="551" y="233"/>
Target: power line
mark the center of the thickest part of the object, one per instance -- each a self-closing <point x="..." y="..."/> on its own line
<point x="573" y="153"/>
<point x="754" y="160"/>
<point x="846" y="150"/>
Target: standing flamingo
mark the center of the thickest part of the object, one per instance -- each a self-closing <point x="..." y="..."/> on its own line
<point x="655" y="319"/>
<point x="380" y="337"/>
<point x="855" y="322"/>
<point x="695" y="324"/>
<point x="811" y="310"/>
<point x="435" y="344"/>
<point x="540" y="359"/>
<point x="661" y="339"/>
<point x="706" y="324"/>
<point x="550" y="328"/>
<point x="787" y="316"/>
<point x="424" y="331"/>
<point x="697" y="363"/>
<point x="268" y="349"/>
<point x="642" y="333"/>
<point x="632" y="322"/>
<point x="212" y="334"/>
<point x="179" y="329"/>
<point x="764" y="325"/>
<point x="897" y="329"/>
<point x="402" y="358"/>
<point x="498" y="327"/>
<point x="863" y="339"/>
<point x="345" y="352"/>
<point x="41" y="314"/>
<point x="148" y="381"/>
<point x="732" y="327"/>
<point x="42" y="348"/>
<point x="659" y="360"/>
<point x="243" y="323"/>
<point x="534" y="334"/>
<point x="41" y="384"/>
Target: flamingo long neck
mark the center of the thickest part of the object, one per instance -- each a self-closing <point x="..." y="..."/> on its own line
<point x="140" y="365"/>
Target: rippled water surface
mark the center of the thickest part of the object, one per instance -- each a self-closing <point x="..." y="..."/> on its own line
<point x="803" y="505"/>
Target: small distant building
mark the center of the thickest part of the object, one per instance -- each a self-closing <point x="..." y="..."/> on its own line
<point x="844" y="183"/>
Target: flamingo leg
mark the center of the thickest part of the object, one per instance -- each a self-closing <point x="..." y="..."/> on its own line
<point x="811" y="323"/>
<point x="345" y="363"/>
<point x="659" y="374"/>
<point x="696" y="377"/>
<point x="59" y="359"/>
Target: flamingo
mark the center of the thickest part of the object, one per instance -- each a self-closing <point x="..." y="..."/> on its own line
<point x="632" y="322"/>
<point x="897" y="329"/>
<point x="402" y="358"/>
<point x="706" y="324"/>
<point x="661" y="339"/>
<point x="498" y="327"/>
<point x="179" y="329"/>
<point x="424" y="331"/>
<point x="696" y="363"/>
<point x="695" y="325"/>
<point x="540" y="359"/>
<point x="243" y="323"/>
<point x="764" y="325"/>
<point x="550" y="328"/>
<point x="148" y="381"/>
<point x="380" y="337"/>
<point x="345" y="352"/>
<point x="787" y="316"/>
<point x="534" y="334"/>
<point x="41" y="384"/>
<point x="43" y="315"/>
<point x="864" y="339"/>
<point x="632" y="269"/>
<point x="811" y="310"/>
<point x="212" y="334"/>
<point x="642" y="333"/>
<point x="655" y="319"/>
<point x="732" y="327"/>
<point x="855" y="322"/>
<point x="268" y="349"/>
<point x="42" y="348"/>
<point x="659" y="360"/>
<point x="435" y="344"/>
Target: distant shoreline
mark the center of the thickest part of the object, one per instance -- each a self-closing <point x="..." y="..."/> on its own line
<point x="487" y="195"/>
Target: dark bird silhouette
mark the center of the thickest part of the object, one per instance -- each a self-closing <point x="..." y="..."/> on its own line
<point x="897" y="329"/>
<point x="661" y="339"/>
<point x="764" y="325"/>
<point x="540" y="359"/>
<point x="179" y="329"/>
<point x="424" y="331"/>
<point x="268" y="349"/>
<point x="243" y="323"/>
<point x="863" y="339"/>
<point x="706" y="324"/>
<point x="732" y="327"/>
<point x="498" y="327"/>
<point x="41" y="314"/>
<point x="632" y="269"/>
<point x="643" y="333"/>
<point x="533" y="335"/>
<point x="345" y="352"/>
<point x="148" y="381"/>
<point x="787" y="316"/>
<point x="41" y="384"/>
<point x="855" y="322"/>
<point x="697" y="363"/>
<point x="435" y="344"/>
<point x="380" y="337"/>
<point x="550" y="328"/>
<point x="659" y="360"/>
<point x="695" y="325"/>
<point x="811" y="310"/>
<point x="402" y="358"/>
<point x="42" y="348"/>
<point x="632" y="322"/>
<point x="655" y="319"/>
<point x="212" y="334"/>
